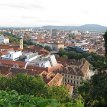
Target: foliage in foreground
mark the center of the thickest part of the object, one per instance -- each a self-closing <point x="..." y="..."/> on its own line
<point x="31" y="91"/>
<point x="13" y="99"/>
<point x="94" y="91"/>
<point x="33" y="85"/>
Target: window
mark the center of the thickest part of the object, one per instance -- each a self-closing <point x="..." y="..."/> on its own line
<point x="77" y="82"/>
<point x="71" y="81"/>
<point x="74" y="77"/>
<point x="65" y="79"/>
<point x="80" y="82"/>
<point x="77" y="77"/>
<point x="71" y="76"/>
<point x="68" y="81"/>
<point x="81" y="78"/>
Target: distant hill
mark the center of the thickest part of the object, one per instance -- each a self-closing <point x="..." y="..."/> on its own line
<point x="86" y="27"/>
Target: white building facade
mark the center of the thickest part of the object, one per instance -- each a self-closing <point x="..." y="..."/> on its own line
<point x="12" y="55"/>
<point x="4" y="40"/>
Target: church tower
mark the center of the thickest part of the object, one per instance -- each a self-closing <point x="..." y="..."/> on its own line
<point x="21" y="42"/>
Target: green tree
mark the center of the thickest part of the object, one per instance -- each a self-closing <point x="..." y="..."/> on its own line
<point x="94" y="91"/>
<point x="12" y="38"/>
<point x="59" y="93"/>
<point x="65" y="56"/>
<point x="26" y="84"/>
<point x="3" y="83"/>
<point x="78" y="102"/>
<point x="105" y="40"/>
<point x="62" y="52"/>
<point x="31" y="91"/>
<point x="48" y="48"/>
<point x="13" y="99"/>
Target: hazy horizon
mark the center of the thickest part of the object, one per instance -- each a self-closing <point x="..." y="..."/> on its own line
<point x="49" y="25"/>
<point x="37" y="13"/>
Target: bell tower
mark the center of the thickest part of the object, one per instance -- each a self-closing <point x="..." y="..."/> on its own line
<point x="21" y="42"/>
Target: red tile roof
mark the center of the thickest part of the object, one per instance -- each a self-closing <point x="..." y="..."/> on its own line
<point x="56" y="80"/>
<point x="11" y="63"/>
<point x="4" y="70"/>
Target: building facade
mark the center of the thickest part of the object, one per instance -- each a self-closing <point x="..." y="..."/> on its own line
<point x="75" y="74"/>
<point x="4" y="40"/>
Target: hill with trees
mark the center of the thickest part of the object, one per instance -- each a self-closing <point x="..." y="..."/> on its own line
<point x="86" y="27"/>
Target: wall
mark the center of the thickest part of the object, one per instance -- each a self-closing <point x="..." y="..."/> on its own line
<point x="72" y="79"/>
<point x="6" y="41"/>
<point x="12" y="55"/>
<point x="52" y="60"/>
<point x="16" y="55"/>
<point x="44" y="64"/>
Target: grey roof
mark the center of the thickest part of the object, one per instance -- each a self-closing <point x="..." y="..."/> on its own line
<point x="30" y="55"/>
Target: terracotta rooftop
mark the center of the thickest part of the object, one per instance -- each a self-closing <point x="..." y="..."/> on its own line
<point x="9" y="68"/>
<point x="3" y="46"/>
<point x="85" y="67"/>
<point x="56" y="81"/>
<point x="66" y="62"/>
<point x="4" y="70"/>
<point x="11" y="63"/>
<point x="79" y="70"/>
<point x="3" y="53"/>
<point x="17" y="70"/>
<point x="9" y="47"/>
<point x="72" y="70"/>
<point x="38" y="49"/>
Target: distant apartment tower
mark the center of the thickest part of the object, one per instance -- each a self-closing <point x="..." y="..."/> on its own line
<point x="54" y="32"/>
<point x="58" y="45"/>
<point x="21" y="42"/>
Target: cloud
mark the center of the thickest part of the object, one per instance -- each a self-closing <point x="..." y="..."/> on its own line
<point x="37" y="6"/>
<point x="22" y="6"/>
<point x="86" y="12"/>
<point x="65" y="12"/>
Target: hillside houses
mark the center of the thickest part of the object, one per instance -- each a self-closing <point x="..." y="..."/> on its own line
<point x="75" y="72"/>
<point x="34" y="60"/>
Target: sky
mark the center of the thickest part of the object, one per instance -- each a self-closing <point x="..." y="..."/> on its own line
<point x="31" y="13"/>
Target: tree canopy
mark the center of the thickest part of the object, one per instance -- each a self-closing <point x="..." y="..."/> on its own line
<point x="94" y="91"/>
<point x="25" y="90"/>
<point x="105" y="44"/>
